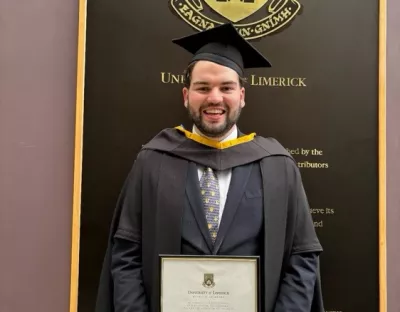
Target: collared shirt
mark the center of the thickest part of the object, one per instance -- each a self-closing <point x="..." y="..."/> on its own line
<point x="224" y="176"/>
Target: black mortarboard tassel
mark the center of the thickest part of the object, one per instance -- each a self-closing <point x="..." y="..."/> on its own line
<point x="225" y="46"/>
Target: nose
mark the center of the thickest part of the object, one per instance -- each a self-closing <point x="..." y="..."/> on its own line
<point x="215" y="96"/>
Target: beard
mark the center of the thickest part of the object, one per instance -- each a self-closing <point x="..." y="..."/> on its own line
<point x="210" y="129"/>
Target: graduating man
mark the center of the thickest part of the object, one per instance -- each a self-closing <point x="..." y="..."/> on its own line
<point x="211" y="190"/>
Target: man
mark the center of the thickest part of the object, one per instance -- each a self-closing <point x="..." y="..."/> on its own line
<point x="256" y="207"/>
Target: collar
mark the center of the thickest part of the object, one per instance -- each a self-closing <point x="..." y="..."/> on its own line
<point x="231" y="136"/>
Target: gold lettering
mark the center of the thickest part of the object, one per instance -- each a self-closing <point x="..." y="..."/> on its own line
<point x="278" y="19"/>
<point x="245" y="31"/>
<point x="175" y="78"/>
<point x="199" y="21"/>
<point x="285" y="13"/>
<point x="301" y="82"/>
<point x="205" y="24"/>
<point x="184" y="8"/>
<point x="273" y="21"/>
<point x="258" y="29"/>
<point x="294" y="151"/>
<point x="195" y="18"/>
<point x="265" y="81"/>
<point x="253" y="83"/>
<point x="171" y="78"/>
<point x="296" y="82"/>
<point x="263" y="27"/>
<point x="330" y="211"/>
<point x="254" y="80"/>
<point x="317" y="211"/>
<point x="310" y="165"/>
<point x="277" y="81"/>
<point x="319" y="224"/>
<point x="268" y="24"/>
<point x="189" y="14"/>
<point x="163" y="77"/>
<point x="278" y="12"/>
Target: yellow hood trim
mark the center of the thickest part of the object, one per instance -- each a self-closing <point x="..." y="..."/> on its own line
<point x="215" y="144"/>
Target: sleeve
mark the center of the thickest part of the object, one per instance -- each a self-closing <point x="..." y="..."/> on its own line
<point x="126" y="260"/>
<point x="300" y="277"/>
<point x="297" y="286"/>
<point x="305" y="237"/>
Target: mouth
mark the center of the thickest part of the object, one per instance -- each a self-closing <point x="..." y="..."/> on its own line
<point x="214" y="112"/>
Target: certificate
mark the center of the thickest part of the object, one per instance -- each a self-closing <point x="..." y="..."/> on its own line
<point x="209" y="283"/>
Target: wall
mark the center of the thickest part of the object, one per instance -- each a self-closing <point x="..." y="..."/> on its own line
<point x="393" y="155"/>
<point x="37" y="111"/>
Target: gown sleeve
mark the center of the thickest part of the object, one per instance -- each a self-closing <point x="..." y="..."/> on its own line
<point x="121" y="285"/>
<point x="299" y="285"/>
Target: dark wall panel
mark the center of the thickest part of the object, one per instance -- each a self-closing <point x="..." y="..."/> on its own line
<point x="320" y="100"/>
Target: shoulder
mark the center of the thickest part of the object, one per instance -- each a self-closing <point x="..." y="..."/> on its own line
<point x="163" y="141"/>
<point x="279" y="156"/>
<point x="272" y="146"/>
<point x="148" y="157"/>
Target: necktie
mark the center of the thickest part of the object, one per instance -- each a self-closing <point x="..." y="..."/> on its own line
<point x="210" y="195"/>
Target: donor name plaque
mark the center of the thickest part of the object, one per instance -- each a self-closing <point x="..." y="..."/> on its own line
<point x="209" y="283"/>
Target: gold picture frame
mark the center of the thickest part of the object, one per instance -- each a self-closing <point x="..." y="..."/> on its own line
<point x="77" y="181"/>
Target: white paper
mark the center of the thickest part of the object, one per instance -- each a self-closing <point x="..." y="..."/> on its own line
<point x="234" y="286"/>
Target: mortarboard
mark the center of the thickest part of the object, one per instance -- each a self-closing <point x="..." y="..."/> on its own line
<point x="225" y="46"/>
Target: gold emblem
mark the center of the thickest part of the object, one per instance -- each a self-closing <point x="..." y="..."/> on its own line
<point x="236" y="10"/>
<point x="273" y="14"/>
<point x="208" y="280"/>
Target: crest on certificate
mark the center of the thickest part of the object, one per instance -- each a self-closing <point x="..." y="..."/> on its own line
<point x="208" y="280"/>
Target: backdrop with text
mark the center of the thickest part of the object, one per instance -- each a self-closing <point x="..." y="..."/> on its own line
<point x="319" y="99"/>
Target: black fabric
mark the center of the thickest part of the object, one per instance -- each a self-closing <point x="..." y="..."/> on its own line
<point x="241" y="228"/>
<point x="152" y="210"/>
<point x="298" y="284"/>
<point x="126" y="267"/>
<point x="174" y="142"/>
<point x="227" y="46"/>
<point x="221" y="60"/>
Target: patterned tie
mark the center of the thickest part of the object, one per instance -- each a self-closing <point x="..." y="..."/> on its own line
<point x="210" y="194"/>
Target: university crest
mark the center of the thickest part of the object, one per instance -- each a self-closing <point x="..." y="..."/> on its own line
<point x="252" y="18"/>
<point x="208" y="281"/>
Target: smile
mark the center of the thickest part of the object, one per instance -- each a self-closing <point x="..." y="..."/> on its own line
<point x="214" y="111"/>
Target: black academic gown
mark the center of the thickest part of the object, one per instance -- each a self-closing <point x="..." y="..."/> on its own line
<point x="159" y="212"/>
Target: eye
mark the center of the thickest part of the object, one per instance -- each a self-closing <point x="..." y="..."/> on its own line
<point x="227" y="88"/>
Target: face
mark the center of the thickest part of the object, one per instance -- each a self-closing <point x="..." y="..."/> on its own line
<point x="214" y="99"/>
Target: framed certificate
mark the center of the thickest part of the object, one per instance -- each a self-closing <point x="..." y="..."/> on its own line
<point x="209" y="283"/>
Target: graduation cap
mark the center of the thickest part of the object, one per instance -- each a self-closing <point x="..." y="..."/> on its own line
<point x="225" y="46"/>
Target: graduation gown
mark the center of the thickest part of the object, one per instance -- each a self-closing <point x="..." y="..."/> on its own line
<point x="150" y="213"/>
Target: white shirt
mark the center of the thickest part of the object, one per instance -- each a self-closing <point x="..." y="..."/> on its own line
<point x="224" y="176"/>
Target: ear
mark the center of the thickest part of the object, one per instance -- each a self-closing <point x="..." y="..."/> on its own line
<point x="185" y="93"/>
<point x="242" y="97"/>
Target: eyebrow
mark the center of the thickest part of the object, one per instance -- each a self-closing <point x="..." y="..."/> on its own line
<point x="229" y="82"/>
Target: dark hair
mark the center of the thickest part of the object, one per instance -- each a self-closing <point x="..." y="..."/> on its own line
<point x="187" y="76"/>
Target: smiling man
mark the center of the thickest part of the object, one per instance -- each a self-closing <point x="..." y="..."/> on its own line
<point x="213" y="191"/>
